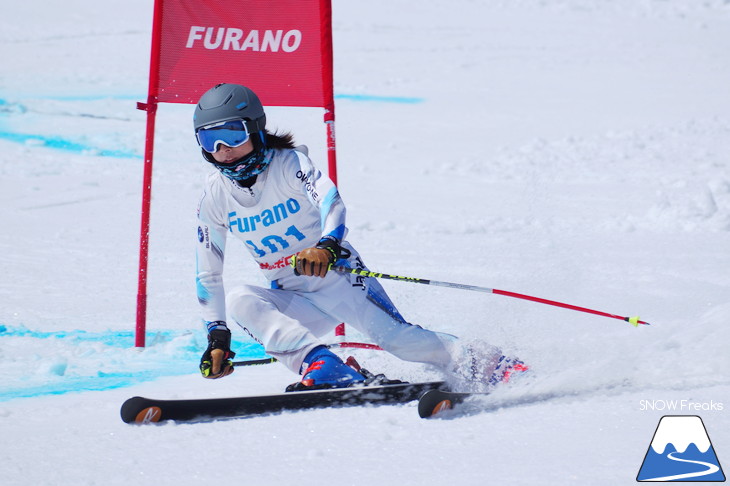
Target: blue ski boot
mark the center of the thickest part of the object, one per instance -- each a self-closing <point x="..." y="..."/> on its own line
<point x="324" y="369"/>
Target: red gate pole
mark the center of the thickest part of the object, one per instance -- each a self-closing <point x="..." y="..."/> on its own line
<point x="151" y="108"/>
<point x="329" y="119"/>
<point x="144" y="239"/>
<point x="329" y="108"/>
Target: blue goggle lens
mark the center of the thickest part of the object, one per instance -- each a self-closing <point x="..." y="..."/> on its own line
<point x="231" y="133"/>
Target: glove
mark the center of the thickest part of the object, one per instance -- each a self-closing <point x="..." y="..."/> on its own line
<point x="315" y="262"/>
<point x="216" y="362"/>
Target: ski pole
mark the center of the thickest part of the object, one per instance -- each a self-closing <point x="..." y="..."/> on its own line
<point x="254" y="362"/>
<point x="634" y="321"/>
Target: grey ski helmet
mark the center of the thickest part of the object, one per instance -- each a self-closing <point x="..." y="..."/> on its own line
<point x="226" y="102"/>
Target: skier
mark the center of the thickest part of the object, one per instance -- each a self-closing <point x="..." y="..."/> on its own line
<point x="267" y="193"/>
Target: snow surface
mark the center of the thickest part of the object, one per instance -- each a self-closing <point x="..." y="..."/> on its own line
<point x="575" y="150"/>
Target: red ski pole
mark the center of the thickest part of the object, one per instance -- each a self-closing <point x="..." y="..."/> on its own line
<point x="634" y="321"/>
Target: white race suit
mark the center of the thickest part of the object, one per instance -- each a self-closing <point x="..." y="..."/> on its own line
<point x="290" y="207"/>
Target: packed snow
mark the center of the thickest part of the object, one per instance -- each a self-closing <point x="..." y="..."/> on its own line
<point x="574" y="150"/>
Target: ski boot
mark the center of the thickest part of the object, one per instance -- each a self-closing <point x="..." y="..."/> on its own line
<point x="506" y="369"/>
<point x="479" y="366"/>
<point x="324" y="369"/>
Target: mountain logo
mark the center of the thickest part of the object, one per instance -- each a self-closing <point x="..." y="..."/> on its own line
<point x="681" y="451"/>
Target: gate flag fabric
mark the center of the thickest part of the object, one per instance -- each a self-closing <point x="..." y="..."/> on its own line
<point x="282" y="49"/>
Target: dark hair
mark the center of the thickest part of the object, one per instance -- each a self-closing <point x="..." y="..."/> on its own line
<point x="278" y="140"/>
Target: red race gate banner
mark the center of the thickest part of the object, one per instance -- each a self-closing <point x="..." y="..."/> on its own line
<point x="282" y="49"/>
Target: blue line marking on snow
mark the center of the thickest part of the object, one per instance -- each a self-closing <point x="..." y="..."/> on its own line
<point x="81" y="384"/>
<point x="79" y="360"/>
<point x="76" y="97"/>
<point x="121" y="339"/>
<point x="59" y="143"/>
<point x="343" y="96"/>
<point x="340" y="96"/>
<point x="91" y="97"/>
<point x="379" y="99"/>
<point x="7" y="107"/>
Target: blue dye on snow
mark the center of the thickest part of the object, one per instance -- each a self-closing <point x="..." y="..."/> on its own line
<point x="60" y="381"/>
<point x="59" y="143"/>
<point x="379" y="99"/>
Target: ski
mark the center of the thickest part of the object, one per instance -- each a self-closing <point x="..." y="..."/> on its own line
<point x="140" y="410"/>
<point x="435" y="401"/>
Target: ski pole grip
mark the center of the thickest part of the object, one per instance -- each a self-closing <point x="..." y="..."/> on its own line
<point x="294" y="265"/>
<point x="330" y="267"/>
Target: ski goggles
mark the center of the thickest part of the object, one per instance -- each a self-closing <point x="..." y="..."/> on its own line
<point x="232" y="133"/>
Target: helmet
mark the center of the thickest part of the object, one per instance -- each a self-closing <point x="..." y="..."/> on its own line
<point x="226" y="102"/>
<point x="233" y="102"/>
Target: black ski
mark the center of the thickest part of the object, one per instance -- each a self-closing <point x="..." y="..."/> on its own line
<point x="142" y="410"/>
<point x="436" y="401"/>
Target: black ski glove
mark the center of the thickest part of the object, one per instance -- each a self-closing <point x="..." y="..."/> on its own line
<point x="216" y="361"/>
